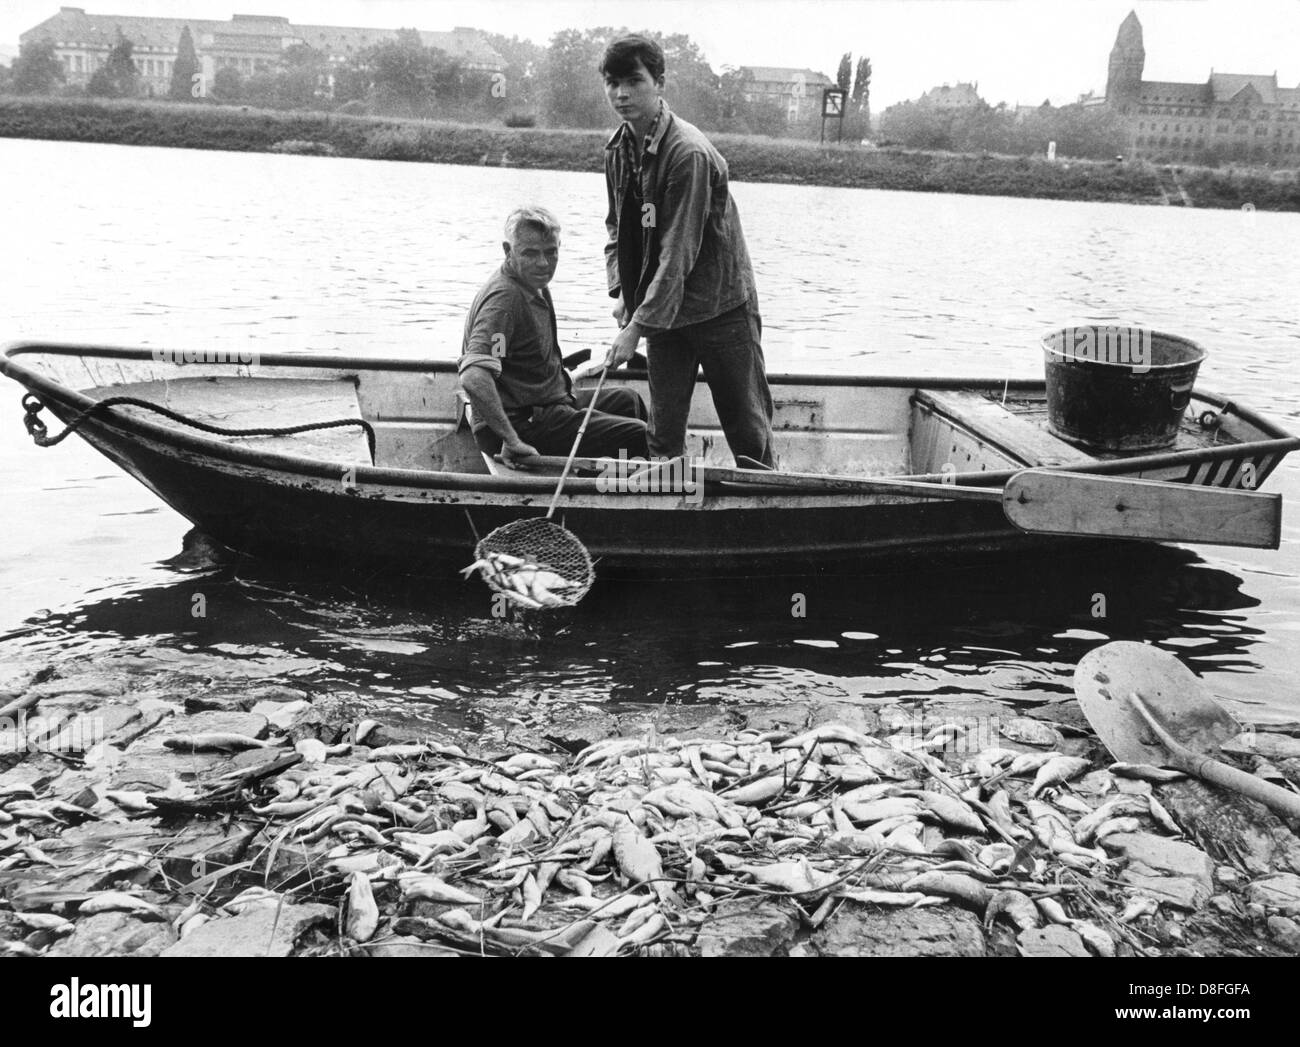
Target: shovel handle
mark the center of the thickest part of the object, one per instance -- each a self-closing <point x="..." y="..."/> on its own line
<point x="1216" y="771"/>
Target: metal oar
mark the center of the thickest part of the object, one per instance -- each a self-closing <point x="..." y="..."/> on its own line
<point x="1147" y="707"/>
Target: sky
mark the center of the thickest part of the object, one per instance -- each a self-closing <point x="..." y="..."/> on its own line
<point x="1018" y="50"/>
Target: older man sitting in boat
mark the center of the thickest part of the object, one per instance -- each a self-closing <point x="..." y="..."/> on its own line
<point x="512" y="370"/>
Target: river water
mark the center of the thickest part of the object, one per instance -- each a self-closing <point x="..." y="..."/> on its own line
<point x="172" y="248"/>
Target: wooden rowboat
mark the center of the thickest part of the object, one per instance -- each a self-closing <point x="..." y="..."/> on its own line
<point x="417" y="500"/>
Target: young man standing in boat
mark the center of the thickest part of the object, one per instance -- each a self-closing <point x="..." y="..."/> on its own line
<point x="512" y="370"/>
<point x="676" y="261"/>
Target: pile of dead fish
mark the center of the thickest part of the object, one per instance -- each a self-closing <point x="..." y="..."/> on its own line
<point x="630" y="845"/>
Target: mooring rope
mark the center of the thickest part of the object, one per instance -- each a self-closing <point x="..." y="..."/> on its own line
<point x="36" y="428"/>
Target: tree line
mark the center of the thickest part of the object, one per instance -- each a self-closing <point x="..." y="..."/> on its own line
<point x="1094" y="132"/>
<point x="556" y="85"/>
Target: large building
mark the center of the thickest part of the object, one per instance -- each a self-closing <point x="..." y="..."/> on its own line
<point x="963" y="96"/>
<point x="249" y="43"/>
<point x="797" y="91"/>
<point x="1231" y="116"/>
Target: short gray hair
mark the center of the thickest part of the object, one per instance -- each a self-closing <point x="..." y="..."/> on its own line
<point x="534" y="216"/>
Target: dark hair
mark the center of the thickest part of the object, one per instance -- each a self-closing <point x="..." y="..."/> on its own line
<point x="621" y="56"/>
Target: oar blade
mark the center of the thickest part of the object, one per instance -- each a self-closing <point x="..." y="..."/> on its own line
<point x="1177" y="700"/>
<point x="1115" y="506"/>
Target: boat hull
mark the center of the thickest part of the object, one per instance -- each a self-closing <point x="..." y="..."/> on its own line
<point x="422" y="515"/>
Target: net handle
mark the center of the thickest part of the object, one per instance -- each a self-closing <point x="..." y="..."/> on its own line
<point x="573" y="453"/>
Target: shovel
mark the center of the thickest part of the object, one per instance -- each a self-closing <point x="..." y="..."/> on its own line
<point x="1147" y="707"/>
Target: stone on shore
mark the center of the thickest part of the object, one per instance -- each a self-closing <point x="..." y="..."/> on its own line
<point x="1052" y="940"/>
<point x="748" y="927"/>
<point x="255" y="932"/>
<point x="1277" y="892"/>
<point x="938" y="931"/>
<point x="115" y="934"/>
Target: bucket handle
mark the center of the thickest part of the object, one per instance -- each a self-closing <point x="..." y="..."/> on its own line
<point x="1180" y="396"/>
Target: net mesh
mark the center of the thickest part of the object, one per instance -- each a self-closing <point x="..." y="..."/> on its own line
<point x="544" y="545"/>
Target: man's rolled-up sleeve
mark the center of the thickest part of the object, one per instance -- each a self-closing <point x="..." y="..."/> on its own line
<point x="489" y="335"/>
<point x="680" y="224"/>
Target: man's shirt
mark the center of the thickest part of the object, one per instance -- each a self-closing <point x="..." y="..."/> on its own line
<point x="676" y="250"/>
<point x="510" y="331"/>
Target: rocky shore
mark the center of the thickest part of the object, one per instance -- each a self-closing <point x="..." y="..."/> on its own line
<point x="146" y="809"/>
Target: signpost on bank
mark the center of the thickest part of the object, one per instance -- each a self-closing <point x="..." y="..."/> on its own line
<point x="833" y="99"/>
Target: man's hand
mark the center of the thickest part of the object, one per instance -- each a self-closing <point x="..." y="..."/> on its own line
<point x="515" y="452"/>
<point x="620" y="313"/>
<point x="624" y="346"/>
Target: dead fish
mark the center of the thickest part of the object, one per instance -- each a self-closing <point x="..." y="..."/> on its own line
<point x="1057" y="770"/>
<point x="892" y="763"/>
<point x="648" y="931"/>
<point x="407" y="751"/>
<point x="428" y="886"/>
<point x="998" y="857"/>
<point x="291" y="809"/>
<point x="22" y="809"/>
<point x="757" y="792"/>
<point x="956" y="886"/>
<point x="1145" y="772"/>
<point x="1072" y="803"/>
<point x="879" y="810"/>
<point x="1127" y="824"/>
<point x="445" y="841"/>
<point x="1052" y="911"/>
<point x="905" y="839"/>
<point x="794" y="877"/>
<point x="252" y="898"/>
<point x="871" y="896"/>
<point x="1029" y="731"/>
<point x="985" y="763"/>
<point x="41" y="921"/>
<point x="363" y="914"/>
<point x="117" y="901"/>
<point x="1139" y="906"/>
<point x="827" y="732"/>
<point x="521" y="762"/>
<point x="1016" y="905"/>
<point x="1161" y="815"/>
<point x="531" y="895"/>
<point x="854" y="842"/>
<point x="129" y="800"/>
<point x="214" y="741"/>
<point x="950" y="811"/>
<point x="637" y="857"/>
<point x="1097" y="940"/>
<point x="17" y="792"/>
<point x="1260" y="743"/>
<point x="1086" y="827"/>
<point x="1026" y="762"/>
<point x="364" y="862"/>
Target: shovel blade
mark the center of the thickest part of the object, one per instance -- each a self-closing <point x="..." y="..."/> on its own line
<point x="1176" y="699"/>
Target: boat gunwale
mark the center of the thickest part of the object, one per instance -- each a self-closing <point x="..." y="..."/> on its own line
<point x="1280" y="440"/>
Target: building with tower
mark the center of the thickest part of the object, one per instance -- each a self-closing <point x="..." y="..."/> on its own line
<point x="1230" y="117"/>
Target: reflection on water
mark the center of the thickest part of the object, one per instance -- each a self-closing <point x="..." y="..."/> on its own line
<point x="1010" y="634"/>
<point x="189" y="249"/>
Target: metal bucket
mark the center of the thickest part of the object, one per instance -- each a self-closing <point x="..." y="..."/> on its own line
<point x="1118" y="388"/>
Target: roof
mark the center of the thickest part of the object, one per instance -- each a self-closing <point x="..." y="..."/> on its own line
<point x="1226" y="86"/>
<point x="260" y="33"/>
<point x="952" y="93"/>
<point x="1165" y="91"/>
<point x="785" y="74"/>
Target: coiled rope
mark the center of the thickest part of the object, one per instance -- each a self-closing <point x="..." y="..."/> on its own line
<point x="33" y="405"/>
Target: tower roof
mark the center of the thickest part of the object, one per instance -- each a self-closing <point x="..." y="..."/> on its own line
<point x="1130" y="30"/>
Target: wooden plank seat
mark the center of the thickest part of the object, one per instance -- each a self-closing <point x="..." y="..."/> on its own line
<point x="259" y="403"/>
<point x="992" y="423"/>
